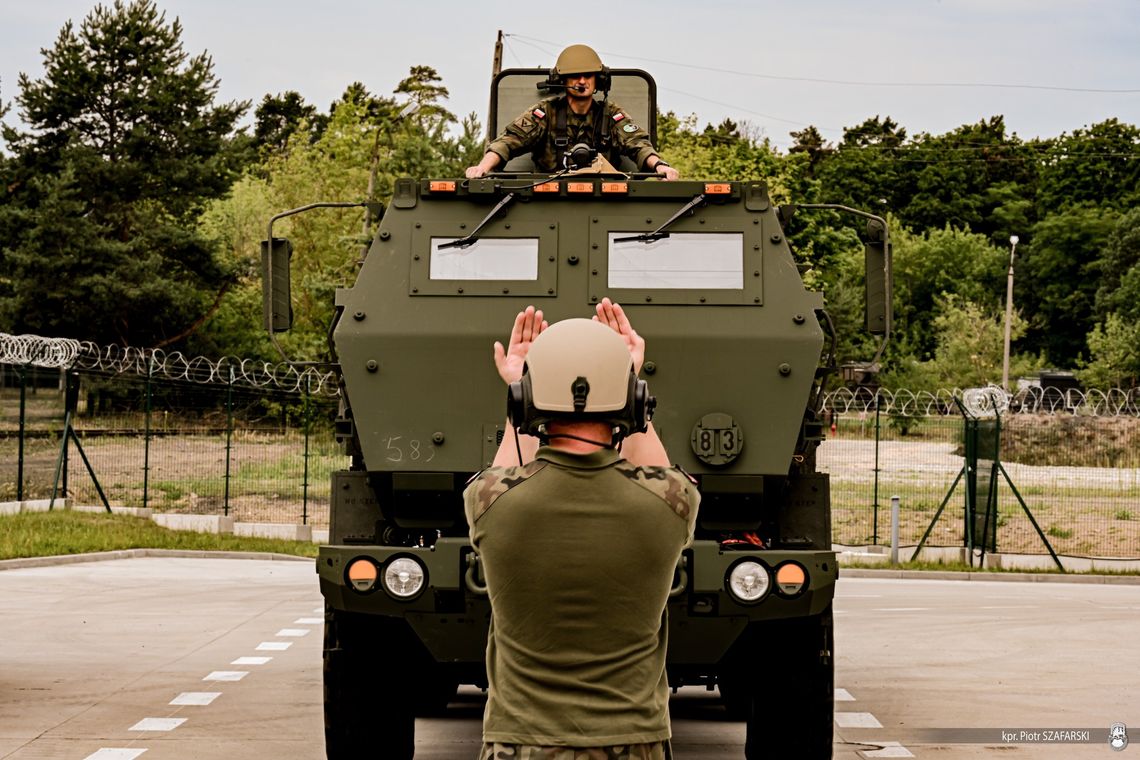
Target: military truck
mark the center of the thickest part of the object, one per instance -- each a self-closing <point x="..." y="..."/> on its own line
<point x="738" y="354"/>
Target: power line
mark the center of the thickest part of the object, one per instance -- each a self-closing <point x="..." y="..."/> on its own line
<point x="853" y="82"/>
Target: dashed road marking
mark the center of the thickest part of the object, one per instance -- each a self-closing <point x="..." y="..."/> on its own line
<point x="889" y="749"/>
<point x="157" y="724"/>
<point x="115" y="753"/>
<point x="856" y="720"/>
<point x="901" y="609"/>
<point x="842" y="695"/>
<point x="293" y="632"/>
<point x="226" y="675"/>
<point x="251" y="661"/>
<point x="308" y="621"/>
<point x="199" y="698"/>
<point x="273" y="646"/>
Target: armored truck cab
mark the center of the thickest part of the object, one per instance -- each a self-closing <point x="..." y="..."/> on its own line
<point x="737" y="351"/>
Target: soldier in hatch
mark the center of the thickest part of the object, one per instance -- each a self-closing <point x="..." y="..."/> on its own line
<point x="552" y="126"/>
<point x="578" y="545"/>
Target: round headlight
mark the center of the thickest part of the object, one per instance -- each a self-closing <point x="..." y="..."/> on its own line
<point x="404" y="577"/>
<point x="748" y="581"/>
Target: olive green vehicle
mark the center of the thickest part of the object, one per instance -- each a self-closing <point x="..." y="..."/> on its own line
<point x="738" y="352"/>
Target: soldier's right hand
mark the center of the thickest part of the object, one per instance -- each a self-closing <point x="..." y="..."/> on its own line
<point x="510" y="361"/>
<point x="474" y="172"/>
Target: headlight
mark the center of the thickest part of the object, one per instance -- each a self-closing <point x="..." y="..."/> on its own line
<point x="748" y="581"/>
<point x="404" y="577"/>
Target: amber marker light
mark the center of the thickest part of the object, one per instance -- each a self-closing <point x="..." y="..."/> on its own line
<point x="362" y="574"/>
<point x="791" y="579"/>
<point x="546" y="187"/>
<point x="442" y="186"/>
<point x="615" y="187"/>
<point x="579" y="187"/>
<point x="718" y="188"/>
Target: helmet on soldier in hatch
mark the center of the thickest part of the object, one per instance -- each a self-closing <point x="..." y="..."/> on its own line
<point x="581" y="59"/>
<point x="579" y="369"/>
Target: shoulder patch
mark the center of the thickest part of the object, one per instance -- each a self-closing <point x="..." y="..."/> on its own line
<point x="539" y="113"/>
<point x="619" y="116"/>
<point x="631" y="127"/>
<point x="493" y="482"/>
<point x="666" y="483"/>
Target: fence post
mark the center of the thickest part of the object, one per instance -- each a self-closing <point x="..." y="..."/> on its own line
<point x="229" y="439"/>
<point x="23" y="417"/>
<point x="894" y="530"/>
<point x="306" y="415"/>
<point x="146" y="433"/>
<point x="875" y="505"/>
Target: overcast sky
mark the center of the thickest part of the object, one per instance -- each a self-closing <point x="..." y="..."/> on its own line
<point x="930" y="64"/>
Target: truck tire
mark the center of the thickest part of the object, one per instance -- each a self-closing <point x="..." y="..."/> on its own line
<point x="789" y="700"/>
<point x="368" y="711"/>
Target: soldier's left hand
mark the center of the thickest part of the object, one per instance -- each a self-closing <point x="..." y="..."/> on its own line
<point x="612" y="315"/>
<point x="668" y="172"/>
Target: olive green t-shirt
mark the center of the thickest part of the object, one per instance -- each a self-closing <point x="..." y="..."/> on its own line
<point x="578" y="552"/>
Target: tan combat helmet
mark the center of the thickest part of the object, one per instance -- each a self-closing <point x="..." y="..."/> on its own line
<point x="579" y="59"/>
<point x="575" y="349"/>
<point x="580" y="369"/>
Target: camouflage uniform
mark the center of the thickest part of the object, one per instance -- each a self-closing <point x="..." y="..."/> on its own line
<point x="578" y="552"/>
<point x="534" y="131"/>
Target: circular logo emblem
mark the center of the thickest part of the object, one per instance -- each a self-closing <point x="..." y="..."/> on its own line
<point x="630" y="127"/>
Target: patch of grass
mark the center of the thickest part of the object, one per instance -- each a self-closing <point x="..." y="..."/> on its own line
<point x="1123" y="514"/>
<point x="43" y="534"/>
<point x="1057" y="532"/>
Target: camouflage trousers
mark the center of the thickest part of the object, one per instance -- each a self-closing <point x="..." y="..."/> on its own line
<point x="654" y="751"/>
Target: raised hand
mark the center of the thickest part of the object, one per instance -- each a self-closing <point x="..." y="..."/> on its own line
<point x="611" y="314"/>
<point x="509" y="361"/>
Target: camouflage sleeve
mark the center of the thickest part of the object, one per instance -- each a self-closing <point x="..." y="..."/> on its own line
<point x="490" y="484"/>
<point x="671" y="484"/>
<point x="520" y="136"/>
<point x="632" y="140"/>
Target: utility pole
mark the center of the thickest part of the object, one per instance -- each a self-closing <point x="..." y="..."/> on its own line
<point x="1008" y="313"/>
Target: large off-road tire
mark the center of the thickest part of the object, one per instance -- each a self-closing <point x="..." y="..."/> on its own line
<point x="781" y="680"/>
<point x="369" y="705"/>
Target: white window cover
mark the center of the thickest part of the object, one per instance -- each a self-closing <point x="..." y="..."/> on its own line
<point x="682" y="261"/>
<point x="485" y="259"/>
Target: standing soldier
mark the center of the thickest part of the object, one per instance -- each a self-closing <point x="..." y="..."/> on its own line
<point x="550" y="127"/>
<point x="578" y="545"/>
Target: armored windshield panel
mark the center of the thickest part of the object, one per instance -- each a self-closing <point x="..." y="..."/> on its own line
<point x="515" y="90"/>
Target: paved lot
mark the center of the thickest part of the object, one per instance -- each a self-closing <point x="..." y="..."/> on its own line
<point x="112" y="660"/>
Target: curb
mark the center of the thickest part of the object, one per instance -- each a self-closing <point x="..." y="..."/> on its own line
<point x="947" y="575"/>
<point x="71" y="559"/>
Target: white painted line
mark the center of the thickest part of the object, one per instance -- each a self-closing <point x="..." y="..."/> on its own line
<point x="294" y="632"/>
<point x="1010" y="607"/>
<point x="839" y="612"/>
<point x="858" y="596"/>
<point x="318" y="610"/>
<point x="251" y="661"/>
<point x="856" y="720"/>
<point x="195" y="698"/>
<point x="842" y="695"/>
<point x="157" y="724"/>
<point x="274" y="646"/>
<point x="115" y="753"/>
<point x="226" y="675"/>
<point x="889" y="749"/>
<point x="308" y="621"/>
<point x="901" y="609"/>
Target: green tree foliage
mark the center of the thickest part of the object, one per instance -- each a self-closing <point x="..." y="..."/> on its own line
<point x="125" y="146"/>
<point x="1119" y="289"/>
<point x="368" y="140"/>
<point x="1058" y="279"/>
<point x="277" y="117"/>
<point x="1115" y="349"/>
<point x="1099" y="165"/>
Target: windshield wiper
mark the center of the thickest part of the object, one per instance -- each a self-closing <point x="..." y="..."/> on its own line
<point x="470" y="239"/>
<point x="659" y="233"/>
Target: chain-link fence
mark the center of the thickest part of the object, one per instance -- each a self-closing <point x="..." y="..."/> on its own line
<point x="257" y="454"/>
<point x="264" y="453"/>
<point x="1075" y="464"/>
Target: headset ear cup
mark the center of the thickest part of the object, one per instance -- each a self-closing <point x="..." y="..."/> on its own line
<point x="642" y="406"/>
<point x="516" y="403"/>
<point x="554" y="78"/>
<point x="603" y="80"/>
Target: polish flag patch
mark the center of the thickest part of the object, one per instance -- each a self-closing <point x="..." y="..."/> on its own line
<point x="539" y="113"/>
<point x="619" y="116"/>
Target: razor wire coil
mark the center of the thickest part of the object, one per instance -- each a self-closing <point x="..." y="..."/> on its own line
<point x="67" y="353"/>
<point x="1115" y="402"/>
